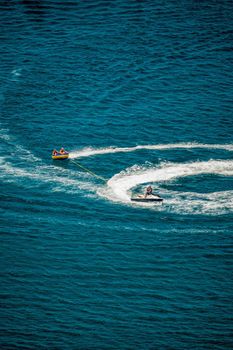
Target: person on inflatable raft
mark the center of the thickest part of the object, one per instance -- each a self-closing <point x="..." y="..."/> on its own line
<point x="55" y="152"/>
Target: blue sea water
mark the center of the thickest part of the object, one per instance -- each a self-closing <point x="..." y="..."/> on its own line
<point x="139" y="92"/>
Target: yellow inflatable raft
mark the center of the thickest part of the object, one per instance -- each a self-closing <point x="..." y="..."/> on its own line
<point x="61" y="156"/>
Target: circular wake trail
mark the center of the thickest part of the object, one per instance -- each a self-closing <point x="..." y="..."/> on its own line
<point x="121" y="184"/>
<point x="87" y="152"/>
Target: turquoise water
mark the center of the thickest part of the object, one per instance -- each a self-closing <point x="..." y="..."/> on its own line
<point x="139" y="92"/>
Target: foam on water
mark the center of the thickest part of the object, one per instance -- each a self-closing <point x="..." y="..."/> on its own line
<point x="16" y="72"/>
<point x="47" y="174"/>
<point x="87" y="152"/>
<point x="18" y="151"/>
<point x="182" y="202"/>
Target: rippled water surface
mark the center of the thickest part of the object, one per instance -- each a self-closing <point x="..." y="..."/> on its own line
<point x="139" y="92"/>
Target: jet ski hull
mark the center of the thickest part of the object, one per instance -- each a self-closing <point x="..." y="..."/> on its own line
<point x="144" y="199"/>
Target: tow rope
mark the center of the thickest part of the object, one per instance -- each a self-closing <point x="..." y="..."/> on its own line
<point x="89" y="171"/>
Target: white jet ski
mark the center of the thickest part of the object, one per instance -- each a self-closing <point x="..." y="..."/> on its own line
<point x="148" y="198"/>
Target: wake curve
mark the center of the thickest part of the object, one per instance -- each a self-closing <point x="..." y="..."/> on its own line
<point x="121" y="183"/>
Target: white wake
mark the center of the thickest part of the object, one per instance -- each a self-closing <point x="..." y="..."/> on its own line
<point x="87" y="152"/>
<point x="120" y="186"/>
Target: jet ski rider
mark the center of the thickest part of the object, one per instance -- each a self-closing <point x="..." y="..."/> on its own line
<point x="149" y="191"/>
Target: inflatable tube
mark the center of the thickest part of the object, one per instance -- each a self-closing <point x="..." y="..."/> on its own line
<point x="60" y="156"/>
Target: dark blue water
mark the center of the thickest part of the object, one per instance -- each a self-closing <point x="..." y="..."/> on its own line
<point x="139" y="92"/>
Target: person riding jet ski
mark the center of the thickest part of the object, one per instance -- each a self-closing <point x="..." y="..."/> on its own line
<point x="149" y="191"/>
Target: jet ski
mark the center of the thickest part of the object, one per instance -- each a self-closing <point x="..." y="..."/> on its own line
<point x="147" y="199"/>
